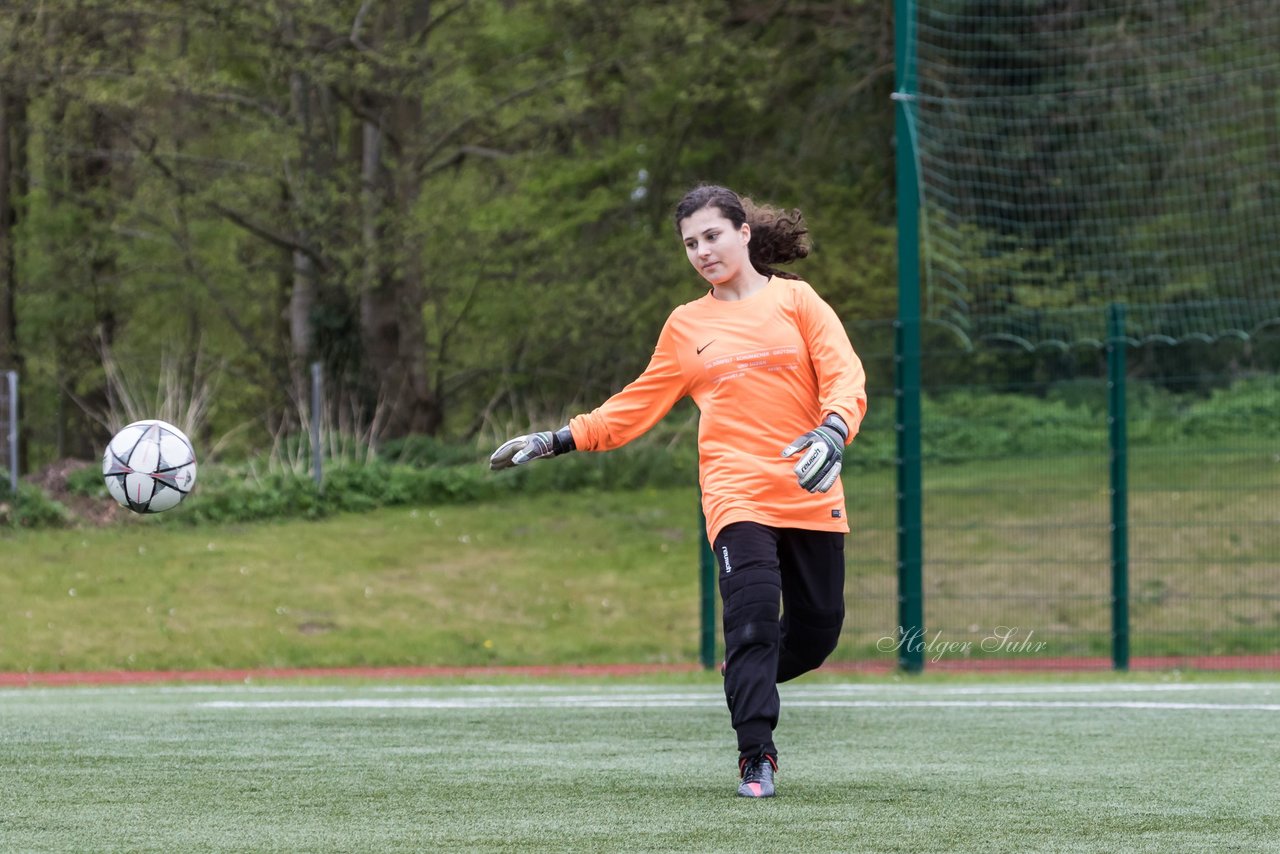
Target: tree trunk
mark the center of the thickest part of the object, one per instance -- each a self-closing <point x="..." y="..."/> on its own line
<point x="91" y="174"/>
<point x="12" y="157"/>
<point x="13" y="186"/>
<point x="392" y="294"/>
<point x="302" y="291"/>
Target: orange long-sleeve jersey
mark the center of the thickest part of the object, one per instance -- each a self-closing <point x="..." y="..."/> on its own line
<point x="762" y="371"/>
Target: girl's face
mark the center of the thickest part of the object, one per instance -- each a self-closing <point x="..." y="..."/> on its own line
<point x="716" y="249"/>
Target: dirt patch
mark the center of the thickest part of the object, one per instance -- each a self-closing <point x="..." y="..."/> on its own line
<point x="84" y="509"/>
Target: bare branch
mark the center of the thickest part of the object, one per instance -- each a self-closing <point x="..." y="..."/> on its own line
<point x="358" y="24"/>
<point x="869" y="78"/>
<point x="462" y="153"/>
<point x="238" y="100"/>
<point x="236" y="217"/>
<point x="421" y="35"/>
<point x="446" y="138"/>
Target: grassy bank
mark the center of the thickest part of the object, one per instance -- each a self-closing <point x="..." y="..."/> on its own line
<point x="586" y="577"/>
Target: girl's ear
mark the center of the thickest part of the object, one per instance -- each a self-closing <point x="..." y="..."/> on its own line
<point x="745" y="233"/>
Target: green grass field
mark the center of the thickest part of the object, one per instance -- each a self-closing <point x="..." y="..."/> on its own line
<point x="1104" y="764"/>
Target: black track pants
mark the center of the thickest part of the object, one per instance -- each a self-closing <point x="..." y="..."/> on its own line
<point x="765" y="572"/>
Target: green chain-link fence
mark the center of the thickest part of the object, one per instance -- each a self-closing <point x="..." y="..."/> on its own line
<point x="1020" y="551"/>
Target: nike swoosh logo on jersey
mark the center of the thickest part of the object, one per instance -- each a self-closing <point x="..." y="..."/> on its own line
<point x="705" y="346"/>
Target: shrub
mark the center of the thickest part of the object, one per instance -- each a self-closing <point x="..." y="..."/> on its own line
<point x="87" y="481"/>
<point x="1249" y="407"/>
<point x="425" y="451"/>
<point x="31" y="507"/>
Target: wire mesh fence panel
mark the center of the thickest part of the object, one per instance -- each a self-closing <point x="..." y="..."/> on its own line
<point x="1204" y="506"/>
<point x="1016" y="514"/>
<point x="1017" y="494"/>
<point x="871" y="591"/>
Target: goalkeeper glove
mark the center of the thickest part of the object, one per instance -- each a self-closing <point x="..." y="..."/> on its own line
<point x="534" y="446"/>
<point x="818" y="469"/>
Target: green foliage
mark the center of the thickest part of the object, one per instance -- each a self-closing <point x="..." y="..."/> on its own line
<point x="193" y="183"/>
<point x="1248" y="408"/>
<point x="87" y="481"/>
<point x="642" y="465"/>
<point x="958" y="426"/>
<point x="429" y="474"/>
<point x="967" y="424"/>
<point x="30" y="508"/>
<point x="973" y="424"/>
<point x="422" y="451"/>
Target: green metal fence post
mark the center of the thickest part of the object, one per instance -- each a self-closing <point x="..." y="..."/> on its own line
<point x="907" y="349"/>
<point x="707" y="575"/>
<point x="1118" y="440"/>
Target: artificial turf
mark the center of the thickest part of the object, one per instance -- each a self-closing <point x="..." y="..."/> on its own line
<point x="874" y="765"/>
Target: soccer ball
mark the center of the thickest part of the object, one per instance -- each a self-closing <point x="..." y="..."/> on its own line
<point x="149" y="466"/>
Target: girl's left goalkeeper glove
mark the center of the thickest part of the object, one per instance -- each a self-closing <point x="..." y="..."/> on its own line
<point x="534" y="446"/>
<point x="818" y="469"/>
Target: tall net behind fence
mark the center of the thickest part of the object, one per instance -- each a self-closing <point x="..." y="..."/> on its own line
<point x="871" y="582"/>
<point x="1075" y="155"/>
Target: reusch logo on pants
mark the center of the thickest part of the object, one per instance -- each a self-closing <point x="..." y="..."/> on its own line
<point x="728" y="568"/>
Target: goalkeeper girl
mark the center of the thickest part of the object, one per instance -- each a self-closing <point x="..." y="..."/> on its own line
<point x="780" y="393"/>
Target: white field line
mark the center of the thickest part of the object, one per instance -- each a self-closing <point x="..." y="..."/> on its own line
<point x="633" y="695"/>
<point x="704" y="700"/>
<point x="788" y="691"/>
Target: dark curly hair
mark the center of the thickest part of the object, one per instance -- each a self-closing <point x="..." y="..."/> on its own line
<point x="778" y="236"/>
